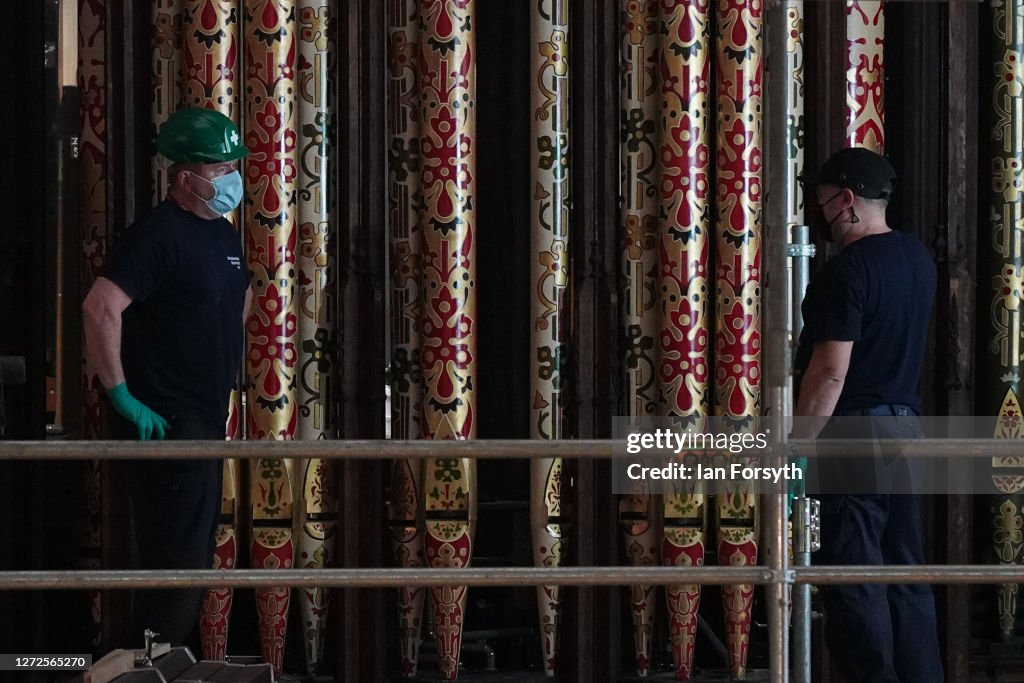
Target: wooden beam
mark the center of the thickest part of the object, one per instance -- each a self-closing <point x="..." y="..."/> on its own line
<point x="592" y="615"/>
<point x="361" y="33"/>
<point x="956" y="318"/>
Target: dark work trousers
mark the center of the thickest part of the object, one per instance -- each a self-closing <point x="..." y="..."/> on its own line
<point x="175" y="507"/>
<point x="879" y="633"/>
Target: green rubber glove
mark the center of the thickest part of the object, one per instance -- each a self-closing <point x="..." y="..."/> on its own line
<point x="149" y="424"/>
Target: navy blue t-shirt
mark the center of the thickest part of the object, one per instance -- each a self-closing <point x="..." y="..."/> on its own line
<point x="878" y="293"/>
<point x="182" y="335"/>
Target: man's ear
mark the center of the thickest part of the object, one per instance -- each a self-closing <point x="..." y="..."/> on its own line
<point x="849" y="198"/>
<point x="180" y="176"/>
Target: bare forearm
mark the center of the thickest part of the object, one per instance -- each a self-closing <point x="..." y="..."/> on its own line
<point x="103" y="343"/>
<point x="819" y="394"/>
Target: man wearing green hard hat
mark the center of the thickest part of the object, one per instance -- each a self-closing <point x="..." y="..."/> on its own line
<point x="164" y="327"/>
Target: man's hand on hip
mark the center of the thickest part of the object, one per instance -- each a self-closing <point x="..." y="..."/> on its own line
<point x="150" y="424"/>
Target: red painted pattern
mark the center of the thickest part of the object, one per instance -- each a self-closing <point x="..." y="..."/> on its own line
<point x="685" y="189"/>
<point x="448" y="153"/>
<point x="449" y="601"/>
<point x="271" y="234"/>
<point x="272" y="604"/>
<point x="210" y="42"/>
<point x="737" y="603"/>
<point x="683" y="603"/>
<point x="213" y="618"/>
<point x="865" y="69"/>
<point x="739" y="71"/>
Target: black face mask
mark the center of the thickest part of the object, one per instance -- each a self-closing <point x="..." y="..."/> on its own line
<point x="823" y="226"/>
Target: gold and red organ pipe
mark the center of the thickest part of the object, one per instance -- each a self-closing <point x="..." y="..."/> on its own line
<point x="271" y="233"/>
<point x="209" y="55"/>
<point x="865" y="74"/>
<point x="448" y="148"/>
<point x="684" y="251"/>
<point x="737" y="364"/>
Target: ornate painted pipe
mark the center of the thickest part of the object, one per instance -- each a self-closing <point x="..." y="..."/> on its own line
<point x="271" y="133"/>
<point x="865" y="74"/>
<point x="448" y="287"/>
<point x="210" y="49"/>
<point x="166" y="45"/>
<point x="405" y="505"/>
<point x="738" y="286"/>
<point x="209" y="42"/>
<point x="1004" y="253"/>
<point x="638" y="511"/>
<point x="92" y="81"/>
<point x="216" y="607"/>
<point x="685" y="193"/>
<point x="549" y="300"/>
<point x="316" y="522"/>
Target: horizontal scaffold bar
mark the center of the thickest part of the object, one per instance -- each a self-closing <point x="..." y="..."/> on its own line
<point x="481" y="449"/>
<point x="506" y="576"/>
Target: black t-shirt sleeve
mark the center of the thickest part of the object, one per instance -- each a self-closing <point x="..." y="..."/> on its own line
<point x="842" y="305"/>
<point x="141" y="260"/>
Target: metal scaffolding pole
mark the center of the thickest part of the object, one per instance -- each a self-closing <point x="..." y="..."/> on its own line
<point x="388" y="577"/>
<point x="784" y="209"/>
<point x="483" y="449"/>
<point x="779" y="578"/>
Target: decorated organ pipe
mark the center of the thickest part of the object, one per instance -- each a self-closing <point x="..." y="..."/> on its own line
<point x="211" y="80"/>
<point x="405" y="503"/>
<point x="315" y="494"/>
<point x="685" y="193"/>
<point x="737" y="350"/>
<point x="448" y="149"/>
<point x="549" y="296"/>
<point x="638" y="510"/>
<point x="271" y="239"/>
<point x="1003" y="253"/>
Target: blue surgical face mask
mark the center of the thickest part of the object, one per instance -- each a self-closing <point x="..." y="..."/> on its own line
<point x="227" y="193"/>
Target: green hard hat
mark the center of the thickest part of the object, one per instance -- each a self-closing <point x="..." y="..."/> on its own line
<point x="200" y="136"/>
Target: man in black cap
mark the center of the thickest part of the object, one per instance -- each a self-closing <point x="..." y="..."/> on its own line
<point x="860" y="354"/>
